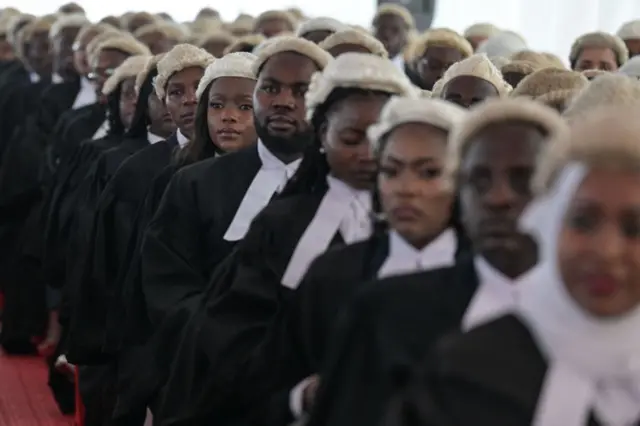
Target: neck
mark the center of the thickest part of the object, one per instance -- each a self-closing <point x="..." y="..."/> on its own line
<point x="420" y="243"/>
<point x="158" y="130"/>
<point x="512" y="264"/>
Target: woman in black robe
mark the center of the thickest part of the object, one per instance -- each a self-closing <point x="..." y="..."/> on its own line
<point x="390" y="324"/>
<point x="223" y="124"/>
<point x="568" y="356"/>
<point x="326" y="203"/>
<point x="208" y="206"/>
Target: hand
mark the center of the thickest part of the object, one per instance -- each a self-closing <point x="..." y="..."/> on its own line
<point x="309" y="393"/>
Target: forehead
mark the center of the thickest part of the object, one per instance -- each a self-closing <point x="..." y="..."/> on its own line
<point x="186" y="76"/>
<point x="288" y="67"/>
<point x="231" y="87"/>
<point x="597" y="54"/>
<point x="441" y="52"/>
<point x="598" y="183"/>
<point x="413" y="140"/>
<point x="469" y="86"/>
<point x="389" y="20"/>
<point x="347" y="47"/>
<point x="111" y="55"/>
<point x="503" y="145"/>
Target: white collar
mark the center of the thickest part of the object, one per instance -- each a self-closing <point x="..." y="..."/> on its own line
<point x="342" y="209"/>
<point x="86" y="95"/>
<point x="154" y="138"/>
<point x="270" y="179"/>
<point x="56" y="78"/>
<point x="102" y="130"/>
<point x="182" y="139"/>
<point x="595" y="361"/>
<point x="496" y="294"/>
<point x="404" y="258"/>
<point x="34" y="78"/>
<point x="398" y="61"/>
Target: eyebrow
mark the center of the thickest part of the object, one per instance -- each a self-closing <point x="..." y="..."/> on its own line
<point x="418" y="161"/>
<point x="275" y="81"/>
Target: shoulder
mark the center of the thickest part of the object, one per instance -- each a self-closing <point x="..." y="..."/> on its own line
<point x="499" y="348"/>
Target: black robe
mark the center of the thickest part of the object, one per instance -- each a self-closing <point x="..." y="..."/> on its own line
<point x="83" y="344"/>
<point x="491" y="375"/>
<point x="184" y="241"/>
<point x="243" y="304"/>
<point x="97" y="299"/>
<point x="385" y="332"/>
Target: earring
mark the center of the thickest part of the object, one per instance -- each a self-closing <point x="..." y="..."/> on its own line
<point x="322" y="150"/>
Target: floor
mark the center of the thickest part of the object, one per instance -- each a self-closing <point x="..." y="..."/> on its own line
<point x="25" y="399"/>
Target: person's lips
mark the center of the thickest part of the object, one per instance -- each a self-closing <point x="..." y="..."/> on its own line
<point x="281" y="123"/>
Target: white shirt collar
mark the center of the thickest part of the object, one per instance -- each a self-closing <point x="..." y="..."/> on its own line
<point x="398" y="61"/>
<point x="270" y="179"/>
<point x="154" y="138"/>
<point x="182" y="139"/>
<point x="496" y="295"/>
<point x="86" y="95"/>
<point x="34" y="78"/>
<point x="102" y="130"/>
<point x="404" y="258"/>
<point x="342" y="209"/>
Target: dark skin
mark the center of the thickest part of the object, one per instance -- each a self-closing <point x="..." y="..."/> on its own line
<point x="316" y="36"/>
<point x="279" y="106"/>
<point x="157" y="42"/>
<point x="596" y="58"/>
<point x="128" y="100"/>
<point x="513" y="78"/>
<point x="62" y="47"/>
<point x="467" y="91"/>
<point x="273" y="27"/>
<point x="80" y="54"/>
<point x="181" y="99"/>
<point x="104" y="66"/>
<point x="634" y="47"/>
<point x="599" y="246"/>
<point x="416" y="200"/>
<point x="495" y="175"/>
<point x="230" y="113"/>
<point x="38" y="54"/>
<point x="160" y="122"/>
<point x="216" y="48"/>
<point x="6" y="50"/>
<point x="392" y="31"/>
<point x="434" y="62"/>
<point x="346" y="48"/>
<point x="345" y="142"/>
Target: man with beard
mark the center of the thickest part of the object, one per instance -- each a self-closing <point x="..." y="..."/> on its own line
<point x="207" y="207"/>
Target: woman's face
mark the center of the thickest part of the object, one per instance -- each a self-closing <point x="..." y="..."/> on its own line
<point x="128" y="100"/>
<point x="599" y="246"/>
<point x="344" y="139"/>
<point x="230" y="113"/>
<point x="434" y="63"/>
<point x="467" y="91"/>
<point x="414" y="196"/>
<point x="160" y="121"/>
<point x="181" y="99"/>
<point x="596" y="58"/>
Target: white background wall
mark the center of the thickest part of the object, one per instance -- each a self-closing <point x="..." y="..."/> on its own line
<point x="549" y="25"/>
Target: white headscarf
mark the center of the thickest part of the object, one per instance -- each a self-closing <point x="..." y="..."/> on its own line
<point x="594" y="363"/>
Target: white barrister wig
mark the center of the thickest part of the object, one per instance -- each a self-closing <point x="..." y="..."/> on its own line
<point x="403" y="110"/>
<point x="67" y="21"/>
<point x="283" y="44"/>
<point x="177" y="59"/>
<point x="130" y="68"/>
<point x="357" y="70"/>
<point x="357" y="38"/>
<point x="238" y="64"/>
<point x="477" y="65"/>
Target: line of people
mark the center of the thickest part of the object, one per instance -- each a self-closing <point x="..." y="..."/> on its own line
<point x="292" y="220"/>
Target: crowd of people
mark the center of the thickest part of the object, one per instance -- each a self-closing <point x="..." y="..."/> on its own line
<point x="292" y="220"/>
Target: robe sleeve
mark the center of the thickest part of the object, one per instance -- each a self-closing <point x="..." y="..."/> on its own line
<point x="172" y="252"/>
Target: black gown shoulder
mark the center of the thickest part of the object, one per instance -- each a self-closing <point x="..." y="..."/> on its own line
<point x="184" y="242"/>
<point x="384" y="333"/>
